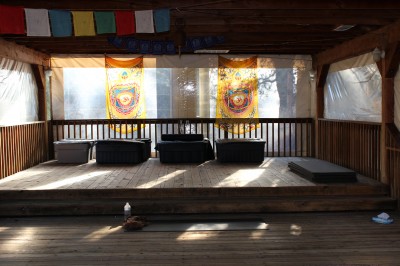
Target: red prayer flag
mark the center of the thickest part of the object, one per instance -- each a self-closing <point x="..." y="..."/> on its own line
<point x="12" y="20"/>
<point x="125" y="21"/>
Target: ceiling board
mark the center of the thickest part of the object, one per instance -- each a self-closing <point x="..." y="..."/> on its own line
<point x="248" y="26"/>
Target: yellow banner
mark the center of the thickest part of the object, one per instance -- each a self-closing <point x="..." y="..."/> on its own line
<point x="124" y="95"/>
<point x="237" y="95"/>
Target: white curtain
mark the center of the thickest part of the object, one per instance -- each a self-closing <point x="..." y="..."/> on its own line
<point x="18" y="93"/>
<point x="177" y="86"/>
<point x="353" y="90"/>
<point x="397" y="100"/>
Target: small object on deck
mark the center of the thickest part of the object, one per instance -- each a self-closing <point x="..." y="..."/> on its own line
<point x="127" y="211"/>
<point x="77" y="151"/>
<point x="382" y="218"/>
<point x="134" y="223"/>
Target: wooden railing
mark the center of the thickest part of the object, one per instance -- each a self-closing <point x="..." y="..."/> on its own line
<point x="284" y="136"/>
<point x="355" y="145"/>
<point x="393" y="159"/>
<point x="21" y="147"/>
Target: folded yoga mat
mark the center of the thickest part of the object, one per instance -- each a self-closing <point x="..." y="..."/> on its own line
<point x="323" y="171"/>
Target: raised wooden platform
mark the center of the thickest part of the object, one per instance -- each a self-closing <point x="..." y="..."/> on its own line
<point x="153" y="187"/>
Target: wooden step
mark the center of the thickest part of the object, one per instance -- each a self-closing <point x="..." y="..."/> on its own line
<point x="332" y="197"/>
<point x="207" y="192"/>
<point x="42" y="207"/>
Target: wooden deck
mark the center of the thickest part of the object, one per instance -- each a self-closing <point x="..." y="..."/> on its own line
<point x="152" y="187"/>
<point x="339" y="238"/>
<point x="273" y="172"/>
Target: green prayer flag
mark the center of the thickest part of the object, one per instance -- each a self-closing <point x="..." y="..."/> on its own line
<point x="105" y="22"/>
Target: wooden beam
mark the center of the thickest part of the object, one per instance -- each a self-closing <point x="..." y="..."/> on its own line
<point x="363" y="44"/>
<point x="207" y="4"/>
<point x="20" y="53"/>
<point x="392" y="60"/>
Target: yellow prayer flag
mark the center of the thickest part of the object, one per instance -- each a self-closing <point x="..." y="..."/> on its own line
<point x="83" y="23"/>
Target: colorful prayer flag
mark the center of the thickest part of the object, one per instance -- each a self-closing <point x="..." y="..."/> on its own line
<point x="162" y="20"/>
<point x="124" y="95"/>
<point x="105" y="22"/>
<point x="83" y="23"/>
<point x="37" y="22"/>
<point x="61" y="24"/>
<point x="237" y="95"/>
<point x="12" y="20"/>
<point x="144" y="21"/>
<point x="125" y="21"/>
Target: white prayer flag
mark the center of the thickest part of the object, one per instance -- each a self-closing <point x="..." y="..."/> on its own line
<point x="37" y="22"/>
<point x="144" y="21"/>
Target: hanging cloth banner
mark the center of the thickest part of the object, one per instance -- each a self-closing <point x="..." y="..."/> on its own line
<point x="124" y="95"/>
<point x="37" y="22"/>
<point x="237" y="95"/>
<point x="12" y="20"/>
<point x="125" y="21"/>
<point x="83" y="23"/>
<point x="144" y="21"/>
<point x="61" y="24"/>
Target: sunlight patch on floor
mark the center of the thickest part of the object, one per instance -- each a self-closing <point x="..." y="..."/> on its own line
<point x="23" y="175"/>
<point x="2" y="229"/>
<point x="162" y="179"/>
<point x="19" y="242"/>
<point x="259" y="234"/>
<point x="295" y="230"/>
<point x="70" y="181"/>
<point x="193" y="235"/>
<point x="241" y="177"/>
<point x="101" y="233"/>
<point x="266" y="163"/>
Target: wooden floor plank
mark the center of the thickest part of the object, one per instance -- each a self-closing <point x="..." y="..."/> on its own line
<point x="272" y="172"/>
<point x="339" y="238"/>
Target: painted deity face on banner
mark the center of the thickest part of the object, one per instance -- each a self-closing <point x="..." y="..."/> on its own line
<point x="238" y="96"/>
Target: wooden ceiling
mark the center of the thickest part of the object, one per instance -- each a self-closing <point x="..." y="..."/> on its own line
<point x="248" y="26"/>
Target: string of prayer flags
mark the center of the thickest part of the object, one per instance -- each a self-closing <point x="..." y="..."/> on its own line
<point x="125" y="21"/>
<point x="162" y="20"/>
<point x="37" y="22"/>
<point x="105" y="22"/>
<point x="144" y="21"/>
<point x="159" y="47"/>
<point x="60" y="21"/>
<point x="83" y="23"/>
<point x="12" y="20"/>
<point x="64" y="23"/>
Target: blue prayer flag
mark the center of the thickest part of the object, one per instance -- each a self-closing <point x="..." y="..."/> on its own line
<point x="162" y="20"/>
<point x="61" y="23"/>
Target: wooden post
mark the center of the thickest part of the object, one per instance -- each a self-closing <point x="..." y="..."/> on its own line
<point x="38" y="72"/>
<point x="322" y="73"/>
<point x="388" y="67"/>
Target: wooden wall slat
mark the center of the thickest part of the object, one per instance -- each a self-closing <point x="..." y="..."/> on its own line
<point x="21" y="147"/>
<point x="354" y="145"/>
<point x="393" y="157"/>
